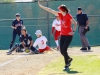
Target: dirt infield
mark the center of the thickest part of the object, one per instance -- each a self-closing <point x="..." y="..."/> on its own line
<point x="24" y="64"/>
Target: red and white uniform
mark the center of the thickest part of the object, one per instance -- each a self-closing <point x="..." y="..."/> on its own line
<point x="41" y="43"/>
<point x="56" y="28"/>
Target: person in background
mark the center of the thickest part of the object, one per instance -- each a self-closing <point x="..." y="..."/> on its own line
<point x="56" y="28"/>
<point x="83" y="22"/>
<point x="16" y="26"/>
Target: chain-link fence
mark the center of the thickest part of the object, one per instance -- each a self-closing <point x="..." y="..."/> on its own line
<point x="36" y="18"/>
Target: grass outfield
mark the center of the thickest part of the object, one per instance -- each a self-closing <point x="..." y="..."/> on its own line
<point x="81" y="65"/>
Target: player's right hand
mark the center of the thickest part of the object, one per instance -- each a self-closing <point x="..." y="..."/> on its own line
<point x="25" y="48"/>
<point x="39" y="4"/>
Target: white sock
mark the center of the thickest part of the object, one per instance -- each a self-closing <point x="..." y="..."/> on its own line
<point x="57" y="43"/>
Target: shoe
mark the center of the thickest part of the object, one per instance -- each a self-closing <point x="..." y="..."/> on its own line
<point x="9" y="53"/>
<point x="31" y="52"/>
<point x="69" y="61"/>
<point x="36" y="52"/>
<point x="66" y="68"/>
<point x="83" y="49"/>
<point x="89" y="48"/>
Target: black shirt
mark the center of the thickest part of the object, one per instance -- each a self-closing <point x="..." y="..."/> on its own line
<point x="26" y="39"/>
<point x="17" y="24"/>
<point x="82" y="18"/>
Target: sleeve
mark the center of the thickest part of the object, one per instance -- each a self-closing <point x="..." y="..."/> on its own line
<point x="53" y="24"/>
<point x="46" y="39"/>
<point x="21" y="39"/>
<point x="70" y="16"/>
<point x="35" y="43"/>
<point x="86" y="17"/>
<point x="60" y="15"/>
<point x="13" y="24"/>
<point x="30" y="38"/>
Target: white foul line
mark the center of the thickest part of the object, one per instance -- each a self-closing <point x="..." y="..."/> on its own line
<point x="7" y="62"/>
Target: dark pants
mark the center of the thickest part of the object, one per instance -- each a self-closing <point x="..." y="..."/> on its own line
<point x="64" y="44"/>
<point x="15" y="33"/>
<point x="84" y="40"/>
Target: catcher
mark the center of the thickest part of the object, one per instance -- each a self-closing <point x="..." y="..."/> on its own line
<point x="26" y="44"/>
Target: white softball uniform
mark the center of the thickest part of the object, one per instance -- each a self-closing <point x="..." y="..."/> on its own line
<point x="57" y="25"/>
<point x="40" y="42"/>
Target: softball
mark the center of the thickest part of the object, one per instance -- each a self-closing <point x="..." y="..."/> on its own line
<point x="27" y="51"/>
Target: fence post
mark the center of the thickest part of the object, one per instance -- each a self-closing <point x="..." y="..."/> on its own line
<point x="48" y="25"/>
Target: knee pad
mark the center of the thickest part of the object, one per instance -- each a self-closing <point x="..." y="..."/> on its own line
<point x="17" y="45"/>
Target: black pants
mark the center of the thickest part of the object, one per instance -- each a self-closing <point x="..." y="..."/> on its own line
<point x="15" y="33"/>
<point x="64" y="44"/>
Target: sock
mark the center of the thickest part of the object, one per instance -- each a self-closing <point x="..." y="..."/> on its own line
<point x="57" y="43"/>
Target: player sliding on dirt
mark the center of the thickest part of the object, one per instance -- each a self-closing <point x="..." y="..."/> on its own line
<point x="41" y="42"/>
<point x="67" y="31"/>
<point x="26" y="44"/>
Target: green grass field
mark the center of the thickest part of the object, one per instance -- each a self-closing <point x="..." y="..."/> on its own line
<point x="81" y="65"/>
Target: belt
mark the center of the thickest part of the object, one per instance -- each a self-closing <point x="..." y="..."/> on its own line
<point x="81" y="26"/>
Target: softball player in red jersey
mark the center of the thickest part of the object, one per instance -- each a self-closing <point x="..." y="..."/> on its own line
<point x="56" y="28"/>
<point x="66" y="30"/>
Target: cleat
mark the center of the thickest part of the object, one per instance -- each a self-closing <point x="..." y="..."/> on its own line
<point x="66" y="68"/>
<point x="8" y="53"/>
<point x="36" y="52"/>
<point x="83" y="49"/>
<point x="89" y="48"/>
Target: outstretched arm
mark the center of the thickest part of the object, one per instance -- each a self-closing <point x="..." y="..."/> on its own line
<point x="48" y="9"/>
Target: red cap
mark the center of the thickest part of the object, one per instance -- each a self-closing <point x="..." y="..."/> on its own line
<point x="62" y="9"/>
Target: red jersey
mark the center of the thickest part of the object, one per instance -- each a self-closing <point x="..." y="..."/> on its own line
<point x="65" y="24"/>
